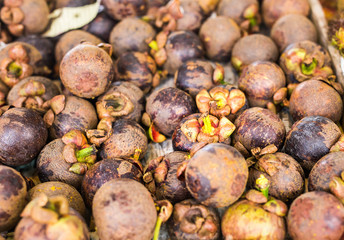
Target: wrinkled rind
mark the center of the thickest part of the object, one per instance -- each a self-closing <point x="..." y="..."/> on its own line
<point x="168" y="107"/>
<point x="316" y="215"/>
<point x="218" y="188"/>
<point x="22" y="136"/>
<point x="310" y="139"/>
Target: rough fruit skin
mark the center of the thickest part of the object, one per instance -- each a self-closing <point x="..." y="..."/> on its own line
<point x="124" y="209"/>
<point x="216" y="175"/>
<point x="87" y="71"/>
<point x="316" y="215"/>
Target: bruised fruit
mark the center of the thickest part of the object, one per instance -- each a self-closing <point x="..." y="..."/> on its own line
<point x="251" y="48"/>
<point x="219" y="35"/>
<point x="292" y="28"/>
<point x="22" y="136"/>
<point x="106" y="170"/>
<point x="131" y="34"/>
<point x="191" y="220"/>
<point x="123" y="209"/>
<point x="315" y="97"/>
<point x="120" y="9"/>
<point x="316" y="215"/>
<point x="167" y="107"/>
<point x="310" y="139"/>
<point x="218" y="188"/>
<point x="12" y="197"/>
<point x="87" y="70"/>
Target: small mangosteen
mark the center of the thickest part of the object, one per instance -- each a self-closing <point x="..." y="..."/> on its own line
<point x="219" y="36"/>
<point x="131" y="34"/>
<point x="191" y="220"/>
<point x="193" y="15"/>
<point x="123" y="209"/>
<point x="101" y="26"/>
<point x="121" y="9"/>
<point x="218" y="188"/>
<point x="310" y="139"/>
<point x="12" y="197"/>
<point x="315" y="97"/>
<point x="22" y="136"/>
<point x="251" y="48"/>
<point x="292" y="28"/>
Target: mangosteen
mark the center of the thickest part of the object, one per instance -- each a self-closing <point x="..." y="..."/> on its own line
<point x="251" y="48"/>
<point x="72" y="3"/>
<point x="315" y="97"/>
<point x="12" y="197"/>
<point x="193" y="15"/>
<point x="22" y="136"/>
<point x="292" y="28"/>
<point x="310" y="139"/>
<point x="121" y="9"/>
<point x="191" y="220"/>
<point x="218" y="188"/>
<point x="219" y="35"/>
<point x="101" y="26"/>
<point x="123" y="209"/>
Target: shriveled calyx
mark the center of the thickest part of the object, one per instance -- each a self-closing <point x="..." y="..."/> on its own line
<point x="78" y="152"/>
<point x="16" y="66"/>
<point x="13" y="16"/>
<point x="252" y="19"/>
<point x="30" y="96"/>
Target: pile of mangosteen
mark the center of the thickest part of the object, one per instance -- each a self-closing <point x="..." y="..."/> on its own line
<point x="82" y="112"/>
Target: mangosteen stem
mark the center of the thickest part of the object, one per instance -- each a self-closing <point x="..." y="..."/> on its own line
<point x="14" y="69"/>
<point x="262" y="184"/>
<point x="207" y="125"/>
<point x="157" y="228"/>
<point x="82" y="154"/>
<point x="309" y="68"/>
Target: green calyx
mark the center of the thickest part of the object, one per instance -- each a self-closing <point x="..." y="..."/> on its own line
<point x="83" y="154"/>
<point x="14" y="69"/>
<point x="207" y="128"/>
<point x="308" y="69"/>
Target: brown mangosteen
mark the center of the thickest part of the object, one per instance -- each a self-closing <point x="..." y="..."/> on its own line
<point x="87" y="70"/>
<point x="127" y="138"/>
<point x="50" y="218"/>
<point x="251" y="48"/>
<point x="219" y="35"/>
<point x="191" y="220"/>
<point x="316" y="215"/>
<point x="292" y="28"/>
<point x="106" y="170"/>
<point x="193" y="15"/>
<point x="262" y="82"/>
<point x="275" y="9"/>
<point x="258" y="128"/>
<point x="12" y="197"/>
<point x="324" y="170"/>
<point x="167" y="107"/>
<point x="101" y="26"/>
<point x="131" y="34"/>
<point x="123" y="209"/>
<point x="244" y="12"/>
<point x="55" y="188"/>
<point x="121" y="9"/>
<point x="218" y="188"/>
<point x="161" y="177"/>
<point x="22" y="136"/>
<point x="136" y="67"/>
<point x="315" y="97"/>
<point x="25" y="16"/>
<point x="284" y="173"/>
<point x="310" y="139"/>
<point x="4" y="89"/>
<point x="70" y="40"/>
<point x="180" y="47"/>
<point x="304" y="60"/>
<point x="77" y="113"/>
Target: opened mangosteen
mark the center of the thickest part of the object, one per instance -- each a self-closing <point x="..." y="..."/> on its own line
<point x="218" y="188"/>
<point x="310" y="139"/>
<point x="106" y="170"/>
<point x="22" y="136"/>
<point x="292" y="28"/>
<point x="251" y="48"/>
<point x="219" y="35"/>
<point x="315" y="97"/>
<point x="258" y="128"/>
<point x="25" y="16"/>
<point x="264" y="84"/>
<point x="191" y="220"/>
<point x="138" y="68"/>
<point x="50" y="218"/>
<point x="316" y="215"/>
<point x="275" y="9"/>
<point x="121" y="9"/>
<point x="101" y="26"/>
<point x="12" y="197"/>
<point x="123" y="209"/>
<point x="166" y="108"/>
<point x="131" y="34"/>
